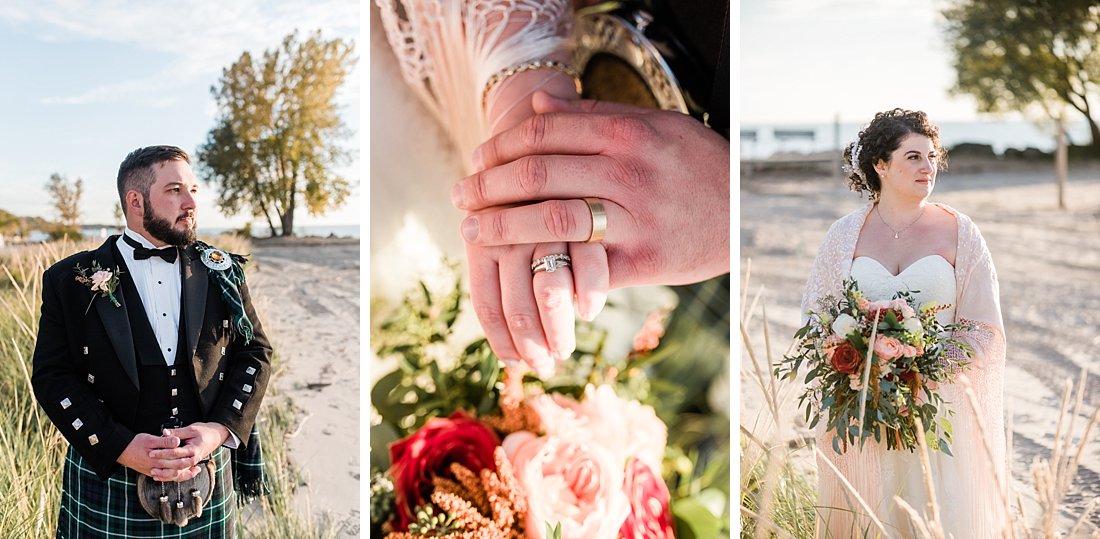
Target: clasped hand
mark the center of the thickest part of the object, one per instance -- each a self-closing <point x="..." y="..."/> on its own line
<point x="663" y="179"/>
<point x="175" y="455"/>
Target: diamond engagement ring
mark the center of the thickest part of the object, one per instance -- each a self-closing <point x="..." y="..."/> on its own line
<point x="599" y="219"/>
<point x="549" y="263"/>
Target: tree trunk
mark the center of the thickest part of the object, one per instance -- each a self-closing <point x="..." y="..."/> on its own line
<point x="1094" y="129"/>
<point x="270" y="225"/>
<point x="288" y="217"/>
<point x="1061" y="161"/>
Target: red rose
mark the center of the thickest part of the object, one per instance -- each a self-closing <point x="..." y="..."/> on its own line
<point x="649" y="514"/>
<point x="846" y="358"/>
<point x="429" y="452"/>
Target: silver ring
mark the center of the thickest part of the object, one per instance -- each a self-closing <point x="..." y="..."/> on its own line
<point x="550" y="263"/>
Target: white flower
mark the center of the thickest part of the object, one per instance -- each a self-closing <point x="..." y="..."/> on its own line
<point x="844" y="325"/>
<point x="912" y="325"/>
<point x="99" y="281"/>
<point x="855" y="382"/>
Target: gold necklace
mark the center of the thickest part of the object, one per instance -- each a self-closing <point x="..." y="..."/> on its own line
<point x="896" y="232"/>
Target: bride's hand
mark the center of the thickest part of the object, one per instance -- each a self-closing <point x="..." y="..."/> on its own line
<point x="529" y="317"/>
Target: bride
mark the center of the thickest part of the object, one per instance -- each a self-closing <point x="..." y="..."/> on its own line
<point x="901" y="241"/>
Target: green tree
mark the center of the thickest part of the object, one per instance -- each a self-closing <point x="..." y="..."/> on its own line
<point x="275" y="142"/>
<point x="65" y="197"/>
<point x="1028" y="54"/>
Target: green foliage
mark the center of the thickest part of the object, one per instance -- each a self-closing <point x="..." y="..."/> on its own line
<point x="553" y="532"/>
<point x="1016" y="54"/>
<point x="382" y="501"/>
<point x="421" y="388"/>
<point x="275" y="140"/>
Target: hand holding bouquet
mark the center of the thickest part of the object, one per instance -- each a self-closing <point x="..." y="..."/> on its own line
<point x="873" y="367"/>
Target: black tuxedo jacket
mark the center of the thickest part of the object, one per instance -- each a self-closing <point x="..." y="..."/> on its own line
<point x="86" y="369"/>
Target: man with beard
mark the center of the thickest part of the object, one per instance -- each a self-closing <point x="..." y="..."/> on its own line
<point x="150" y="360"/>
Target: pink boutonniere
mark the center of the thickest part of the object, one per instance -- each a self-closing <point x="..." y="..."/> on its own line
<point x="102" y="281"/>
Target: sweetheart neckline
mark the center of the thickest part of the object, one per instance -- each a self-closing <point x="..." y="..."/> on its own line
<point x="915" y="262"/>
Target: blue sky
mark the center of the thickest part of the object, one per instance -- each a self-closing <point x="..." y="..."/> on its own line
<point x="804" y="61"/>
<point x="86" y="82"/>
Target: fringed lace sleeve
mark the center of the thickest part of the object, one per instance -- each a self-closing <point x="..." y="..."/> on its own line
<point x="448" y="51"/>
<point x="979" y="295"/>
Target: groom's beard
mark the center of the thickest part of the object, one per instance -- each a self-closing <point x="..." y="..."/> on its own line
<point x="162" y="230"/>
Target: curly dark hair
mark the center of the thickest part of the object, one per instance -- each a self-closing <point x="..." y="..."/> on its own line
<point x="878" y="140"/>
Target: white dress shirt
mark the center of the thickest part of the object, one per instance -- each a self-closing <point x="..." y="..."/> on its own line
<point x="160" y="287"/>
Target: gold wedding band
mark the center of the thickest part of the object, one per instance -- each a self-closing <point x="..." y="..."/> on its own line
<point x="599" y="219"/>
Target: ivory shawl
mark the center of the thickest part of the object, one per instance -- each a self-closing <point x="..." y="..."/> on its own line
<point x="977" y="304"/>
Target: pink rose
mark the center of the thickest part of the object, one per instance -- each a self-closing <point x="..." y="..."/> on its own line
<point x="429" y="452"/>
<point x="626" y="428"/>
<point x="649" y="514"/>
<point x="887" y="347"/>
<point x="571" y="482"/>
<point x="629" y="429"/>
<point x="99" y="280"/>
<point x="863" y="304"/>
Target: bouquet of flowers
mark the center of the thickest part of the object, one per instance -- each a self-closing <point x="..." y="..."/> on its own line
<point x="873" y="368"/>
<point x="477" y="451"/>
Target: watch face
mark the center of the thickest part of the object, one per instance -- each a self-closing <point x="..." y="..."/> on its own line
<point x="216" y="259"/>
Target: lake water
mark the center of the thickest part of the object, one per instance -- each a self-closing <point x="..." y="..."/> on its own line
<point x="343" y="231"/>
<point x="764" y="140"/>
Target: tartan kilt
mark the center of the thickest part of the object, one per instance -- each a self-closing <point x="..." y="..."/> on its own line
<point x="91" y="507"/>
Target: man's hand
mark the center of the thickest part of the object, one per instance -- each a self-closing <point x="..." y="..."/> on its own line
<point x="662" y="176"/>
<point x="137" y="455"/>
<point x="178" y="461"/>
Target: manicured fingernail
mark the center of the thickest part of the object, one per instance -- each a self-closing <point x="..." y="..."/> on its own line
<point x="479" y="160"/>
<point x="470" y="229"/>
<point x="456" y="196"/>
<point x="511" y="363"/>
<point x="559" y="355"/>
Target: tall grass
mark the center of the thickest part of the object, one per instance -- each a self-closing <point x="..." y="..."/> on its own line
<point x="32" y="450"/>
<point x="778" y="485"/>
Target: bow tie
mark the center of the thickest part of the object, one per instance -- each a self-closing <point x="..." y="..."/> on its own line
<point x="168" y="254"/>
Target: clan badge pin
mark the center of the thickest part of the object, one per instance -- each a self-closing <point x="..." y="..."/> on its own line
<point x="216" y="259"/>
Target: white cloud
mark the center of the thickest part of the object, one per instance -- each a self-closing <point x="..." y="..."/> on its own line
<point x="201" y="37"/>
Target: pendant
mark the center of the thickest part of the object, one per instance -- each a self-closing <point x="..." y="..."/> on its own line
<point x="895" y="235"/>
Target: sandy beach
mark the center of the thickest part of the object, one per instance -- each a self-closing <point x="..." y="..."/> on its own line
<point x="1048" y="261"/>
<point x="308" y="294"/>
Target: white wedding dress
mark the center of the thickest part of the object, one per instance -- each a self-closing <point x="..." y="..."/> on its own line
<point x="880" y="475"/>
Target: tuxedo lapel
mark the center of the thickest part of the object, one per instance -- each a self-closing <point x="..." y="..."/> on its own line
<point x="195" y="283"/>
<point x="116" y="320"/>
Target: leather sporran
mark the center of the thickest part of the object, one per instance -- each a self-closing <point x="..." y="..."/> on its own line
<point x="177" y="503"/>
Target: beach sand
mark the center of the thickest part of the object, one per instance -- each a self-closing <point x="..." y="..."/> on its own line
<point x="308" y="293"/>
<point x="1048" y="263"/>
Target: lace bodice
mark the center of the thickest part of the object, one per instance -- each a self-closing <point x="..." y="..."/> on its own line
<point x="931" y="278"/>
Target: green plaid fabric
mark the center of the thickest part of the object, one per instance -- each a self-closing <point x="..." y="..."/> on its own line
<point x="92" y="508"/>
<point x="249" y="476"/>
